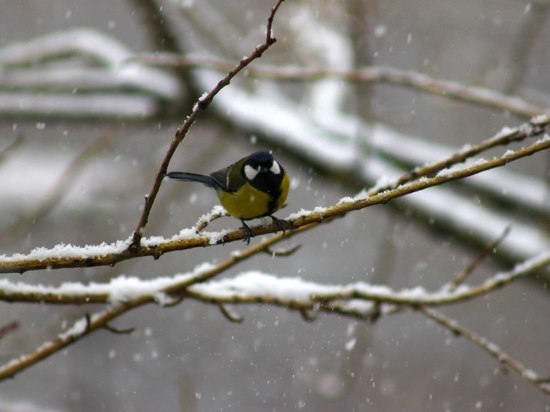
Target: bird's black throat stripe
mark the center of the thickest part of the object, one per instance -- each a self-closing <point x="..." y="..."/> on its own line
<point x="270" y="184"/>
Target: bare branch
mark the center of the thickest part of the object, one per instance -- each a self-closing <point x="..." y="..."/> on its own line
<point x="118" y="331"/>
<point x="489" y="347"/>
<point x="436" y="299"/>
<point x="228" y="315"/>
<point x="343" y="300"/>
<point x="307" y="314"/>
<point x="10" y="327"/>
<point x="283" y="252"/>
<point x="79" y="330"/>
<point x="461" y="276"/>
<point x="536" y="125"/>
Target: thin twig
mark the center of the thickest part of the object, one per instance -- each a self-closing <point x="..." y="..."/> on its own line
<point x="14" y="144"/>
<point x="216" y="213"/>
<point x="230" y="316"/>
<point x="335" y="303"/>
<point x="535" y="127"/>
<point x="461" y="276"/>
<point x="283" y="252"/>
<point x="437" y="299"/>
<point x="307" y="314"/>
<point x="118" y="331"/>
<point x="202" y="104"/>
<point x="10" y="327"/>
<point x="496" y="352"/>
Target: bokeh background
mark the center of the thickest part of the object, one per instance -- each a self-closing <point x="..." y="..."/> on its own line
<point x="189" y="357"/>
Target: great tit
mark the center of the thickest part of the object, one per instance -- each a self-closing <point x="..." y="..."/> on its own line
<point x="255" y="186"/>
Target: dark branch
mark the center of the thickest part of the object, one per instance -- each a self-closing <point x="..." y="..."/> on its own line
<point x="230" y="316"/>
<point x="460" y="277"/>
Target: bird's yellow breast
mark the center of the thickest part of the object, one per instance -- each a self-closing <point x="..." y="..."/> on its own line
<point x="249" y="203"/>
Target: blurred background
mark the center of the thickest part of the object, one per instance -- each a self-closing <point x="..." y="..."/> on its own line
<point x="86" y="118"/>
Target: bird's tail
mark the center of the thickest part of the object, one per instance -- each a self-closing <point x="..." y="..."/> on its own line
<point x="193" y="177"/>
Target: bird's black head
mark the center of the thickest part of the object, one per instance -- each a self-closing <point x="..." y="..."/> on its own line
<point x="259" y="160"/>
<point x="263" y="172"/>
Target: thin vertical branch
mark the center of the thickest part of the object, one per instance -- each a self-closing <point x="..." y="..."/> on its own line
<point x="202" y="104"/>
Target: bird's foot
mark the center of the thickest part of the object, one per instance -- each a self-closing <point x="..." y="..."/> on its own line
<point x="282" y="224"/>
<point x="247" y="231"/>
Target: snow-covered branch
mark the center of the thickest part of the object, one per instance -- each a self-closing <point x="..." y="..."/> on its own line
<point x="254" y="287"/>
<point x="202" y="104"/>
<point x="374" y="74"/>
<point x="65" y="256"/>
<point x="124" y="294"/>
<point x="102" y="78"/>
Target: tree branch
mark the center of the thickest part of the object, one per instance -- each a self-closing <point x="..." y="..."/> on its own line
<point x="489" y="347"/>
<point x="360" y="301"/>
<point x="371" y="74"/>
<point x="202" y="104"/>
<point x="124" y="304"/>
<point x="461" y="276"/>
<point x="10" y="327"/>
<point x="236" y="291"/>
<point x="188" y="238"/>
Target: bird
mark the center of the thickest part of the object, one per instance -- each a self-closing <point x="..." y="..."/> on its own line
<point x="255" y="186"/>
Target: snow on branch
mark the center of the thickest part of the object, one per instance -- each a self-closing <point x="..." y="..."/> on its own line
<point x="202" y="104"/>
<point x="66" y="256"/>
<point x="344" y="144"/>
<point x="102" y="78"/>
<point x="255" y="287"/>
<point x="358" y="300"/>
<point x="371" y="74"/>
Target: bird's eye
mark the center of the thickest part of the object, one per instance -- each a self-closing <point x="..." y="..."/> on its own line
<point x="275" y="168"/>
<point x="250" y="172"/>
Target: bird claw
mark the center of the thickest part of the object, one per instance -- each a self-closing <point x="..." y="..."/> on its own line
<point x="281" y="223"/>
<point x="247" y="231"/>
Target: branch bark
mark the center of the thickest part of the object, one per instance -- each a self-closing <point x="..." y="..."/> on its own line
<point x="202" y="104"/>
<point x="112" y="254"/>
<point x="371" y="74"/>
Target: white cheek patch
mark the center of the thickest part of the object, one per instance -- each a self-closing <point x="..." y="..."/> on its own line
<point x="250" y="172"/>
<point x="275" y="168"/>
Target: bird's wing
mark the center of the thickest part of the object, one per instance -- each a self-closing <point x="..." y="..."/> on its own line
<point x="230" y="178"/>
